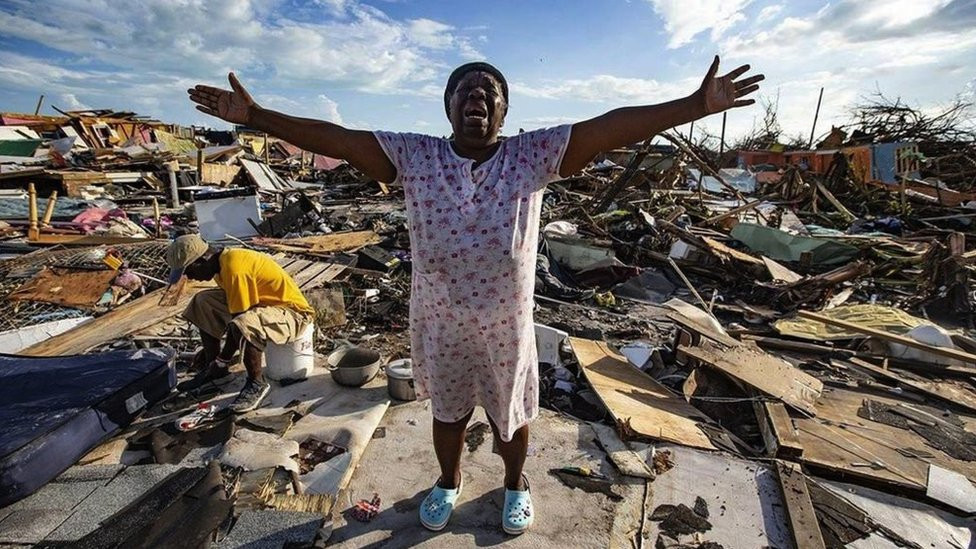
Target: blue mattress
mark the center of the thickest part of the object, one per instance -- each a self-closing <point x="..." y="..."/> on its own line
<point x="53" y="410"/>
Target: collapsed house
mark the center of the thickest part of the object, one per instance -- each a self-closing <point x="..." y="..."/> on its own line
<point x="796" y="331"/>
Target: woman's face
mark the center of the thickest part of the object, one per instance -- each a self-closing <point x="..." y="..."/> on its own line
<point x="477" y="108"/>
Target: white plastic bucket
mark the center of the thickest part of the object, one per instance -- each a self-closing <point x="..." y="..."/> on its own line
<point x="293" y="360"/>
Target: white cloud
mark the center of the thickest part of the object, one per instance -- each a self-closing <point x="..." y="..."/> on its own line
<point x="769" y="12"/>
<point x="340" y="42"/>
<point x="685" y="19"/>
<point x="605" y="88"/>
<point x="71" y="102"/>
<point x="430" y="33"/>
<point x="330" y="109"/>
<point x="918" y="49"/>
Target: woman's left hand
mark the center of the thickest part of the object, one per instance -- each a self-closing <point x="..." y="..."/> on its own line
<point x="725" y="92"/>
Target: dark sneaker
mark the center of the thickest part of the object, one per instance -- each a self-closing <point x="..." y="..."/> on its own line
<point x="210" y="374"/>
<point x="250" y="397"/>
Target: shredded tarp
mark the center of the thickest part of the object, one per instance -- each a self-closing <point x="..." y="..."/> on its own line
<point x="782" y="246"/>
<point x="878" y="317"/>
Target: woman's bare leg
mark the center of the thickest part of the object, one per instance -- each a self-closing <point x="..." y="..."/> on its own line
<point x="513" y="455"/>
<point x="448" y="445"/>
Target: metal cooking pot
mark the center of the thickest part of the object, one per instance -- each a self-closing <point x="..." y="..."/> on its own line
<point x="353" y="366"/>
<point x="399" y="379"/>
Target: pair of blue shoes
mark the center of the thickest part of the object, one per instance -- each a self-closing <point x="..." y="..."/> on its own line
<point x="517" y="514"/>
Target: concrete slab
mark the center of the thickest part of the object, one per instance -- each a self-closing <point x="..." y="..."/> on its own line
<point x="401" y="468"/>
<point x="272" y="530"/>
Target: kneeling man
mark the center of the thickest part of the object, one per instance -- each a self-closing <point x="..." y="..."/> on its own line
<point x="256" y="303"/>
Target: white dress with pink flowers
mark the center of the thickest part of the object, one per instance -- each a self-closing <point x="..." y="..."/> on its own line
<point x="474" y="233"/>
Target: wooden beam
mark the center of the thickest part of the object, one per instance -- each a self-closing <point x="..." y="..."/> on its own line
<point x="934" y="390"/>
<point x="623" y="458"/>
<point x="34" y="229"/>
<point x="888" y="336"/>
<point x="848" y="216"/>
<point x="129" y="318"/>
<point x="799" y="507"/>
<point x="777" y="430"/>
<point x="763" y="372"/>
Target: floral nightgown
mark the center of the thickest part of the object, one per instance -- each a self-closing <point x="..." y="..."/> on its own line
<point x="474" y="233"/>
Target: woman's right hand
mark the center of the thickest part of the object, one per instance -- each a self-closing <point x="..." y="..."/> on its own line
<point x="235" y="106"/>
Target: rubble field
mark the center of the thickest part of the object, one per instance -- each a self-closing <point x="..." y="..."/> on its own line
<point x="756" y="347"/>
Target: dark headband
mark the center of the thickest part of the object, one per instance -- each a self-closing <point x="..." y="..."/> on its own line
<point x="458" y="74"/>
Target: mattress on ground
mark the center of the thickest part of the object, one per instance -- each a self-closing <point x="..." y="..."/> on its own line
<point x="55" y="409"/>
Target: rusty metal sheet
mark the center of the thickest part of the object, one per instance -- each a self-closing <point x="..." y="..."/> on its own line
<point x="67" y="287"/>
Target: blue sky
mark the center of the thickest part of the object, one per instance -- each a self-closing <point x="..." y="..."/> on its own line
<point x="382" y="64"/>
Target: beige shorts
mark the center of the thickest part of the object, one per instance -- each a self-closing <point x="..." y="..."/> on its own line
<point x="260" y="325"/>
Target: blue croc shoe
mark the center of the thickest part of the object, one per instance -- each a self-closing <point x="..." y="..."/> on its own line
<point x="437" y="507"/>
<point x="517" y="515"/>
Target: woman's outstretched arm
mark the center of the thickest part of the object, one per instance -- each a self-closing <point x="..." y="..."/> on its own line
<point x="359" y="148"/>
<point x="629" y="125"/>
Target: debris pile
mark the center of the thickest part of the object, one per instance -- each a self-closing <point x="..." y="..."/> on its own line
<point x="800" y="321"/>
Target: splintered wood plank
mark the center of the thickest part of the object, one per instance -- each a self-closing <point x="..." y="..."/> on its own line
<point x="296" y="267"/>
<point x="777" y="430"/>
<point x="763" y="372"/>
<point x="624" y="459"/>
<point x="799" y="507"/>
<point x="939" y="391"/>
<point x="636" y="399"/>
<point x="327" y="243"/>
<point x="127" y="319"/>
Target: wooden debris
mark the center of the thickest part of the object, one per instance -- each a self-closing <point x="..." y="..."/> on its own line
<point x="777" y="430"/>
<point x="127" y="319"/>
<point x="636" y="398"/>
<point x="799" y="508"/>
<point x="764" y="372"/>
<point x="623" y="458"/>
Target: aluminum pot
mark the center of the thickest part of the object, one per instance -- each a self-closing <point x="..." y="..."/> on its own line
<point x="399" y="379"/>
<point x="353" y="366"/>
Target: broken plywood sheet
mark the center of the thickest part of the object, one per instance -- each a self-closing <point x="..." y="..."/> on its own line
<point x="764" y="372"/>
<point x="327" y="243"/>
<point x="840" y="441"/>
<point x="637" y="399"/>
<point x="129" y="318"/>
<point x="912" y="520"/>
<point x="329" y="305"/>
<point x="81" y="289"/>
<point x="743" y="499"/>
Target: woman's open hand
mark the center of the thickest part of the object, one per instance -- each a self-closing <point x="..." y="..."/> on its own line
<point x="235" y="106"/>
<point x="726" y="92"/>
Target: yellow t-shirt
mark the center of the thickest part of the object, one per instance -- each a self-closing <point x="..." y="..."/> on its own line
<point x="252" y="279"/>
